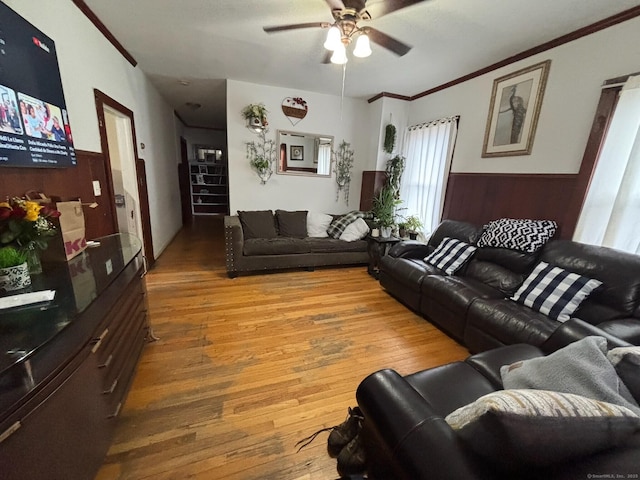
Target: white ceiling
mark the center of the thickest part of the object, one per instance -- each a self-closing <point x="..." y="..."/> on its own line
<point x="208" y="41"/>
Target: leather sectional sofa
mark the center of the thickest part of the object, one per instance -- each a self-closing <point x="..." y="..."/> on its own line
<point x="473" y="306"/>
<point x="406" y="436"/>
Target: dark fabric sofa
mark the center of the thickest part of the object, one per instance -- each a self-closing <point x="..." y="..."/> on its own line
<point x="473" y="305"/>
<point x="264" y="254"/>
<point x="406" y="437"/>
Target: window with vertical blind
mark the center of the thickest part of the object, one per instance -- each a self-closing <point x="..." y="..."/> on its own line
<point x="428" y="149"/>
<point x="610" y="214"/>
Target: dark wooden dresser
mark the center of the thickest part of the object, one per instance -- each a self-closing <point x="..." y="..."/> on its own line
<point x="66" y="365"/>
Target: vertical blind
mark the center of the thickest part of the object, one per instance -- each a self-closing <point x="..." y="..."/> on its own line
<point x="428" y="149"/>
<point x="610" y="215"/>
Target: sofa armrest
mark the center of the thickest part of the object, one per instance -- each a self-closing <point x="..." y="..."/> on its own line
<point x="233" y="243"/>
<point x="627" y="329"/>
<point x="410" y="249"/>
<point x="575" y="329"/>
<point x="421" y="443"/>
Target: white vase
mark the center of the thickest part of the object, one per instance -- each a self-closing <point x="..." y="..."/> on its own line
<point x="15" y="278"/>
<point x="385" y="232"/>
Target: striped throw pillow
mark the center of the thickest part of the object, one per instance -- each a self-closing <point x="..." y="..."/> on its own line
<point x="516" y="428"/>
<point x="554" y="292"/>
<point x="450" y="255"/>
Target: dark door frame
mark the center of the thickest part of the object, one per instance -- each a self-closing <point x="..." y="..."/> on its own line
<point x="103" y="100"/>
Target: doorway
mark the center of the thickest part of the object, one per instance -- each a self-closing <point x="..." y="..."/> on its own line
<point x="130" y="204"/>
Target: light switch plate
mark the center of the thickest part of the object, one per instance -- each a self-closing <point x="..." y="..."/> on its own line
<point x="97" y="191"/>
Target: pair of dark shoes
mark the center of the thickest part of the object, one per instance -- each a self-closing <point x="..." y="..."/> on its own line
<point x="345" y="442"/>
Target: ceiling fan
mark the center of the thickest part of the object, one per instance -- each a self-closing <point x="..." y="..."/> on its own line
<point x="346" y="15"/>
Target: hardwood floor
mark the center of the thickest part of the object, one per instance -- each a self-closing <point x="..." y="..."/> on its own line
<point x="245" y="368"/>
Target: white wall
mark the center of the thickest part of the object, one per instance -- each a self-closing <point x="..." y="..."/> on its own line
<point x="577" y="71"/>
<point x="393" y="111"/>
<point x="87" y="61"/>
<point x="324" y="117"/>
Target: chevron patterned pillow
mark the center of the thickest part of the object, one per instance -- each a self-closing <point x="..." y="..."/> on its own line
<point x="517" y="234"/>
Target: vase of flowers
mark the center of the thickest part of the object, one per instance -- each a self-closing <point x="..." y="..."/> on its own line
<point x="27" y="226"/>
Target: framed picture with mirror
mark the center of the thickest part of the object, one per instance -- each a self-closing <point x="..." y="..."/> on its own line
<point x="304" y="154"/>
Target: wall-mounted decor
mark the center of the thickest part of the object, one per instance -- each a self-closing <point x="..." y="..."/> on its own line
<point x="513" y="113"/>
<point x="342" y="166"/>
<point x="297" y="152"/>
<point x="256" y="116"/>
<point x="262" y="155"/>
<point x="295" y="109"/>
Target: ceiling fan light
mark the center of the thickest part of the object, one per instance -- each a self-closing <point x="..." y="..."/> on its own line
<point x="339" y="55"/>
<point x="333" y="39"/>
<point x="363" y="46"/>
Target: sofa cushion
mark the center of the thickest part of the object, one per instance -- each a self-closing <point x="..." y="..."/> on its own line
<point x="464" y="231"/>
<point x="626" y="361"/>
<point x="341" y="222"/>
<point x="317" y="224"/>
<point x="450" y="255"/>
<point x="292" y="224"/>
<point x="356" y="230"/>
<point x="508" y="322"/>
<point x="515" y="428"/>
<point x="493" y="275"/>
<point x="275" y="246"/>
<point x="328" y="245"/>
<point x="618" y="271"/>
<point x="517" y="234"/>
<point x="258" y="224"/>
<point x="554" y="292"/>
<point x="580" y="368"/>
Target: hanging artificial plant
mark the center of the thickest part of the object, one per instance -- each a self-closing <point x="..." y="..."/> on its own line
<point x="342" y="166"/>
<point x="394" y="170"/>
<point x="389" y="138"/>
<point x="262" y="155"/>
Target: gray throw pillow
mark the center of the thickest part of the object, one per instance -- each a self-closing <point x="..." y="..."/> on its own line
<point x="581" y="368"/>
<point x="292" y="224"/>
<point x="258" y="224"/>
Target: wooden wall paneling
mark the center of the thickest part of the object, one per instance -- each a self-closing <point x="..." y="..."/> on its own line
<point x="479" y="197"/>
<point x="66" y="183"/>
<point x="372" y="182"/>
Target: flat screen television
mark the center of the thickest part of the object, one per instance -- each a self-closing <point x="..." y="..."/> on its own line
<point x="34" y="124"/>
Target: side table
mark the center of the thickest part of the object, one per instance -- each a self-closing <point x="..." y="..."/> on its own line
<point x="377" y="247"/>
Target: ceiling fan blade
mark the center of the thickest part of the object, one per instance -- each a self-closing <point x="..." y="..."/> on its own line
<point x="335" y="4"/>
<point x="383" y="7"/>
<point x="295" y="26"/>
<point x="390" y="43"/>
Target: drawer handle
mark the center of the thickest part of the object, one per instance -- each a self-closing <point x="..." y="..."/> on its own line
<point x="107" y="362"/>
<point x="116" y="411"/>
<point x="113" y="387"/>
<point x="10" y="431"/>
<point x="99" y="340"/>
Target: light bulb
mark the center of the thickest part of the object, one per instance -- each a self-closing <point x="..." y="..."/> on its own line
<point x="333" y="39"/>
<point x="339" y="55"/>
<point x="363" y="47"/>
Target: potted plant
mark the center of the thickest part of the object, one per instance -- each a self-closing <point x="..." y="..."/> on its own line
<point x="402" y="230"/>
<point x="413" y="226"/>
<point x="384" y="210"/>
<point x="14" y="272"/>
<point x="256" y="116"/>
<point x="261" y="156"/>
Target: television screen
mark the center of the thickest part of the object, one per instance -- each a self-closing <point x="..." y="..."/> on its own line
<point x="34" y="124"/>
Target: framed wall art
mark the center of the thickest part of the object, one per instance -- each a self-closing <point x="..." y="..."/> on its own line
<point x="297" y="152"/>
<point x="513" y="112"/>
